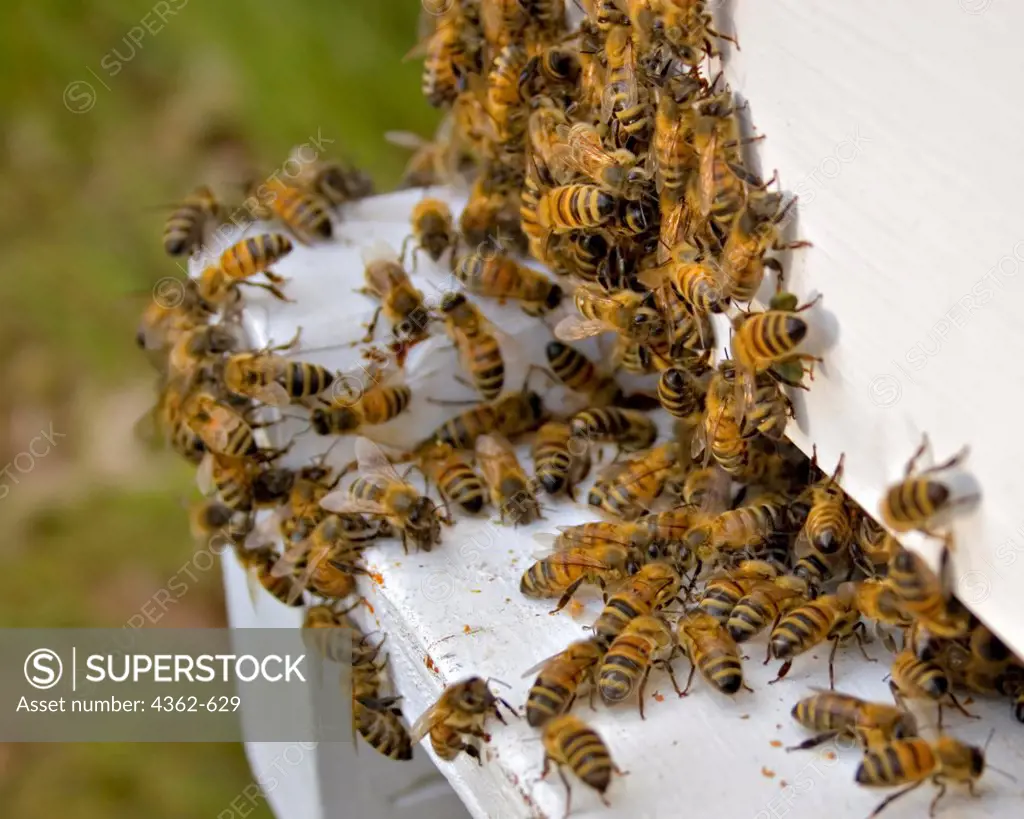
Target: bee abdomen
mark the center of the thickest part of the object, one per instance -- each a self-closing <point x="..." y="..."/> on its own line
<point x="618" y="673"/>
<point x="723" y="671"/>
<point x="747" y="620"/>
<point x="546" y="700"/>
<point x="304" y="380"/>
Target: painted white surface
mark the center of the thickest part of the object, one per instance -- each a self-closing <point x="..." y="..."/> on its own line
<point x="895" y="125"/>
<point x="457" y="611"/>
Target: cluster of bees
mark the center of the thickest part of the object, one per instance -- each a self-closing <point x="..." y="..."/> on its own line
<point x="605" y="154"/>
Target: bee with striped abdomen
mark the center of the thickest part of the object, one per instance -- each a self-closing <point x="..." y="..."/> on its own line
<point x="433" y="230"/>
<point x="764" y="605"/>
<point x="379" y="490"/>
<point x="831" y="714"/>
<point x="273" y="379"/>
<point x="455" y="477"/>
<point x="559" y="461"/>
<point x="647" y="591"/>
<point x="630" y="430"/>
<point x="581" y="375"/>
<point x="568" y="741"/>
<point x="259" y="564"/>
<point x="240" y="262"/>
<point x="497" y="276"/>
<point x="918" y="760"/>
<point x="628" y="488"/>
<point x="625" y="108"/>
<point x="828" y="529"/>
<point x="304" y="213"/>
<point x="479" y="352"/>
<point x="749" y="526"/>
<point x="223" y="430"/>
<point x="347" y="414"/>
<point x="711" y="650"/>
<point x="827" y="617"/>
<point x="621" y="172"/>
<point x="461" y="711"/>
<point x="679" y="394"/>
<point x="577" y="206"/>
<point x="915" y="502"/>
<point x="928" y="596"/>
<point x="511" y="490"/>
<point x="560" y="679"/>
<point x="644" y="642"/>
<point x="560" y="574"/>
<point x="625" y="312"/>
<point x="185" y="230"/>
<point x="726" y="588"/>
<point x="913" y="679"/>
<point x="401" y="303"/>
<point x="876" y="600"/>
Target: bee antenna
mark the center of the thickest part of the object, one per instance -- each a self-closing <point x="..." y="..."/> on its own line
<point x="489" y="680"/>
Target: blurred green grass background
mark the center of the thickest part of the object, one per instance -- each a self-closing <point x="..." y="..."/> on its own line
<point x="97" y="525"/>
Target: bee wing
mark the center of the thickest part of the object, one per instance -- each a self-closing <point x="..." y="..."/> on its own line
<point x="708" y="163"/>
<point x="267" y="530"/>
<point x="428" y="719"/>
<point x="293" y="555"/>
<point x="491" y="451"/>
<point x="378" y="251"/>
<point x="405" y="139"/>
<point x="374" y="465"/>
<point x="533" y="669"/>
<point x="576" y="328"/>
<point x="580" y="149"/>
<point x="343" y="503"/>
<point x="204" y="475"/>
<point x="273" y="395"/>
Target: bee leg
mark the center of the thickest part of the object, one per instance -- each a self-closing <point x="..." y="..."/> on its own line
<point x="861" y="640"/>
<point x="893" y="797"/>
<point x="783" y="671"/>
<point x="942" y="792"/>
<point x="273" y="278"/>
<point x="643" y="685"/>
<point x="511" y="710"/>
<point x="473" y="751"/>
<point x="813" y="742"/>
<point x="371" y="328"/>
<point x="689" y="680"/>
<point x="568" y="791"/>
<point x="563" y="601"/>
<point x="909" y="468"/>
<point x="959" y="707"/>
<point x="672" y="676"/>
<point x="274" y="291"/>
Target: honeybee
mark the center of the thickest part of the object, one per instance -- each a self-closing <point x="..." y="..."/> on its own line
<point x="679" y="394"/>
<point x="383" y="729"/>
<point x="503" y="100"/>
<point x="563" y="572"/>
<point x="239" y="263"/>
<point x="199" y="348"/>
<point x="576" y="207"/>
<point x="328" y="559"/>
<point x="651" y="588"/>
<point x="915" y="761"/>
<point x="686" y="25"/>
<point x="625" y="312"/>
<point x="234" y="481"/>
<point x="497" y="276"/>
<point x="631" y="430"/>
<point x="633" y="357"/>
<point x="673" y="151"/>
<point x="559" y="680"/>
<point x="571" y="742"/>
<point x="831" y="714"/>
<point x="165" y="320"/>
<point x="828" y="617"/>
<point x="432" y="162"/>
<point x="754" y="232"/>
<point x="332" y="182"/>
<point x="748" y="526"/>
<point x="379" y="490"/>
<point x="582" y="151"/>
<point x="629" y="488"/>
<point x="911" y="678"/>
<point x="259" y="564"/>
<point x="873" y="547"/>
<point x="209" y="518"/>
<point x="454" y="476"/>
<point x="461" y="711"/>
<point x="304" y="213"/>
<point x="764" y="605"/>
<point x="708" y="646"/>
<point x="644" y="642"/>
<point x="447" y="58"/>
<point x="579" y="374"/>
<point x="378" y="404"/>
<point x="509" y="415"/>
<point x="914" y="503"/>
<point x="479" y="351"/>
<point x="273" y="379"/>
<point x="877" y="601"/>
<point x="511" y="490"/>
<point x="401" y="303"/>
<point x="186" y="227"/>
<point x="559" y="462"/>
<point x="725" y="589"/>
<point x="624" y="108"/>
<point x="433" y="230"/>
<point x="764" y="341"/>
<point x="555" y="68"/>
<point x="828" y="528"/>
<point x="222" y="430"/>
<point x="926" y="596"/>
<point x="302" y="512"/>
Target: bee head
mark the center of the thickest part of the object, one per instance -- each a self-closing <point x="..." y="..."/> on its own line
<point x="554" y="297"/>
<point x="452" y="301"/>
